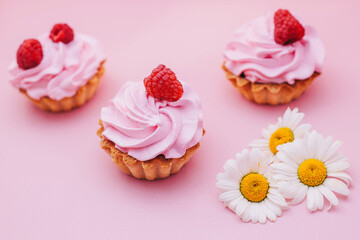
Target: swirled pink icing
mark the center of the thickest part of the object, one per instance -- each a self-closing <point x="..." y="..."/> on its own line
<point x="254" y="53"/>
<point x="145" y="127"/>
<point x="63" y="69"/>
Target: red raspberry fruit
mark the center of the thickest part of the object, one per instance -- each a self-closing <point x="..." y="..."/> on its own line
<point x="62" y="32"/>
<point x="287" y="28"/>
<point x="163" y="84"/>
<point x="29" y="54"/>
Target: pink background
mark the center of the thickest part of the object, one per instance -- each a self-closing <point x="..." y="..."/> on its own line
<point x="57" y="183"/>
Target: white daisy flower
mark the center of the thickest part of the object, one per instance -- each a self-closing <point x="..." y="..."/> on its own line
<point x="286" y="130"/>
<point x="249" y="189"/>
<point x="312" y="167"/>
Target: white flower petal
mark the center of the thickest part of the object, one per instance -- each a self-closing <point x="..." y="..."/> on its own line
<point x="230" y="167"/>
<point x="226" y="185"/>
<point x="312" y="145"/>
<point x="246" y="215"/>
<point x="337" y="166"/>
<point x="266" y="133"/>
<point x="273" y="207"/>
<point x="300" y="195"/>
<point x="223" y="177"/>
<point x="323" y="150"/>
<point x="299" y="150"/>
<point x="285" y="158"/>
<point x="319" y="199"/>
<point x="292" y="153"/>
<point x="226" y="177"/>
<point x="336" y="186"/>
<point x="311" y="199"/>
<point x="329" y="195"/>
<point x="229" y="195"/>
<point x="294" y="119"/>
<point x="282" y="177"/>
<point x="242" y="168"/>
<point x="332" y="149"/>
<point x="283" y="169"/>
<point x="263" y="165"/>
<point x="341" y="175"/>
<point x="334" y="158"/>
<point x="289" y="189"/>
<point x="276" y="197"/>
<point x="287" y="116"/>
<point x="262" y="144"/>
<point x="301" y="130"/>
<point x="241" y="207"/>
<point x="262" y="214"/>
<point x="269" y="214"/>
<point x="232" y="204"/>
<point x="273" y="159"/>
<point x="243" y="161"/>
<point x="226" y="182"/>
<point x="255" y="160"/>
<point x="254" y="212"/>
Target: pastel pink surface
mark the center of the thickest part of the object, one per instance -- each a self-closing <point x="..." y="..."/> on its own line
<point x="57" y="183"/>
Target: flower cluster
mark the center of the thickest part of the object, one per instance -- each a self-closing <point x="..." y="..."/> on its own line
<point x="290" y="163"/>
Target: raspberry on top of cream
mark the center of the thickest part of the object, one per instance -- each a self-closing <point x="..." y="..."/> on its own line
<point x="144" y="126"/>
<point x="67" y="64"/>
<point x="255" y="54"/>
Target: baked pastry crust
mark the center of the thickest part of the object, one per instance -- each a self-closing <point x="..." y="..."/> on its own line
<point x="156" y="168"/>
<point x="269" y="93"/>
<point x="68" y="103"/>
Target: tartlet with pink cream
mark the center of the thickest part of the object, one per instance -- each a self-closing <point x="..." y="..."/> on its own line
<point x="152" y="128"/>
<point x="58" y="71"/>
<point x="273" y="59"/>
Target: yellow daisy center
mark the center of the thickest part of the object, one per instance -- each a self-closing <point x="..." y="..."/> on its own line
<point x="254" y="187"/>
<point x="312" y="172"/>
<point x="280" y="136"/>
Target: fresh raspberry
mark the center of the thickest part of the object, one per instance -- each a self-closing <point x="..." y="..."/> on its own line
<point x="29" y="54"/>
<point x="287" y="28"/>
<point x="163" y="84"/>
<point x="62" y="32"/>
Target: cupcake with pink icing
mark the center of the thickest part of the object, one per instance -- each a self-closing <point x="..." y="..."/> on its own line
<point x="273" y="59"/>
<point x="152" y="128"/>
<point x="58" y="71"/>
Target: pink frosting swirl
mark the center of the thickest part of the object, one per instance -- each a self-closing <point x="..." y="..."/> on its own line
<point x="145" y="127"/>
<point x="63" y="69"/>
<point x="254" y="53"/>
